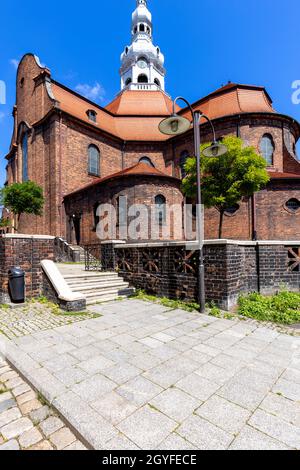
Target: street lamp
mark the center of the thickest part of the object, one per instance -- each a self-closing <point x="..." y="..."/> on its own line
<point x="176" y="125"/>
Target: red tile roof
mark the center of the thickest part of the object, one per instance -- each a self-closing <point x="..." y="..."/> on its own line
<point x="135" y="115"/>
<point x="140" y="169"/>
<point x="278" y="175"/>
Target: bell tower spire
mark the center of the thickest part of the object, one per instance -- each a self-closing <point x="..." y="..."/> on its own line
<point x="142" y="63"/>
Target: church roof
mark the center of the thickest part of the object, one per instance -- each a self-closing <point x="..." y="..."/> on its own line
<point x="141" y="103"/>
<point x="232" y="99"/>
<point x="135" y="115"/>
<point x="140" y="169"/>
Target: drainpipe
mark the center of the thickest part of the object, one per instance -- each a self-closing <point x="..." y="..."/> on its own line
<point x="254" y="238"/>
<point x="60" y="176"/>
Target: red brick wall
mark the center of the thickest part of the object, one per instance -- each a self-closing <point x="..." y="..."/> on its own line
<point x="137" y="189"/>
<point x="26" y="253"/>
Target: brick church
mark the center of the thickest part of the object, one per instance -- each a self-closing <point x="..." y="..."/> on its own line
<point x="83" y="154"/>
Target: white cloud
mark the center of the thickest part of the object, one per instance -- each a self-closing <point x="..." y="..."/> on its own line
<point x="93" y="92"/>
<point x="14" y="62"/>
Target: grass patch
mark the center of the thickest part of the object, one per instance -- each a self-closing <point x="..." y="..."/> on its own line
<point x="282" y="308"/>
<point x="4" y="307"/>
<point x="169" y="303"/>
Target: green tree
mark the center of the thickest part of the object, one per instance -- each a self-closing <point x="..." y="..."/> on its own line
<point x="23" y="198"/>
<point x="227" y="179"/>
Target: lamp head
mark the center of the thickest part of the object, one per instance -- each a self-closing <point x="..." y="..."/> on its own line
<point x="215" y="150"/>
<point x="174" y="125"/>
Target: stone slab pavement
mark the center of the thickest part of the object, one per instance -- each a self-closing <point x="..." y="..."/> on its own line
<point x="26" y="423"/>
<point x="143" y="376"/>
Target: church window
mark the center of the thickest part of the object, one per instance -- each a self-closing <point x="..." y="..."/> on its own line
<point x="128" y="81"/>
<point x="25" y="157"/>
<point x="92" y="115"/>
<point x="94" y="161"/>
<point x="267" y="148"/>
<point x="142" y="78"/>
<point x="126" y="50"/>
<point x="183" y="157"/>
<point x="160" y="206"/>
<point x="293" y="205"/>
<point x="142" y="28"/>
<point x="157" y="82"/>
<point x="146" y="160"/>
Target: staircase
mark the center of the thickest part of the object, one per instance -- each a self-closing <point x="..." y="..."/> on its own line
<point x="95" y="286"/>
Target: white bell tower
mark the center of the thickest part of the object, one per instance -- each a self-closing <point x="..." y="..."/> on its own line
<point x="142" y="63"/>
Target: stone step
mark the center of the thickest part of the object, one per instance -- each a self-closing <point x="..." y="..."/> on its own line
<point x="110" y="297"/>
<point x="108" y="292"/>
<point x="93" y="282"/>
<point x="99" y="287"/>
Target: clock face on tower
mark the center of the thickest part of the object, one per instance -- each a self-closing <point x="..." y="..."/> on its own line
<point x="142" y="64"/>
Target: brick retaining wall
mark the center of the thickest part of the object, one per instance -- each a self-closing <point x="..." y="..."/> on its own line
<point x="26" y="252"/>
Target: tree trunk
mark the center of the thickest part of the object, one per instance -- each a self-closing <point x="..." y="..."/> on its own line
<point x="221" y="223"/>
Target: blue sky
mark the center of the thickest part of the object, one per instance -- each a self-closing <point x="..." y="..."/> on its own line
<point x="206" y="43"/>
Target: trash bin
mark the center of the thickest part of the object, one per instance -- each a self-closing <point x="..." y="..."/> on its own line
<point x="16" y="283"/>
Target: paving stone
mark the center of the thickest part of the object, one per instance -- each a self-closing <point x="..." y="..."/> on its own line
<point x="163" y="337"/>
<point x="292" y="375"/>
<point x="62" y="438"/>
<point x="288" y="389"/>
<point x="214" y="373"/>
<point x="121" y="373"/>
<point x="43" y="445"/>
<point x="82" y="354"/>
<point x="51" y="425"/>
<point x="77" y="445"/>
<point x="41" y="414"/>
<point x="175" y="442"/>
<point x="71" y="375"/>
<point x="121" y="443"/>
<point x="228" y="362"/>
<point x="60" y="362"/>
<point x="94" y="387"/>
<point x="169" y="373"/>
<point x="283" y="408"/>
<point x="197" y="386"/>
<point x="204" y="435"/>
<point x="224" y="414"/>
<point x="7" y="404"/>
<point x="251" y="439"/>
<point x="13" y="383"/>
<point x="25" y="397"/>
<point x="176" y="404"/>
<point x="139" y="390"/>
<point x="147" y="428"/>
<point x="276" y="428"/>
<point x="236" y="393"/>
<point x="96" y="364"/>
<point x="8" y="375"/>
<point x="29" y="438"/>
<point x="151" y="342"/>
<point x="144" y="361"/>
<point x="21" y="389"/>
<point x="5" y="396"/>
<point x="30" y="406"/>
<point x="10" y="445"/>
<point x="10" y="415"/>
<point x="16" y="428"/>
<point x="114" y="408"/>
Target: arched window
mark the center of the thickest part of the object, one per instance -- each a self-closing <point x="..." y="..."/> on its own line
<point x="142" y="78"/>
<point x="128" y="81"/>
<point x="146" y="160"/>
<point x="183" y="157"/>
<point x="293" y="205"/>
<point x="267" y="148"/>
<point x="157" y="82"/>
<point x="92" y="115"/>
<point x="135" y="30"/>
<point x="94" y="161"/>
<point x="232" y="210"/>
<point x="25" y="157"/>
<point x="126" y="50"/>
<point x="160" y="207"/>
<point x="157" y="50"/>
<point x="142" y="28"/>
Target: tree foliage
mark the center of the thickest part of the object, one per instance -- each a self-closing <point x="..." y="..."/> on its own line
<point x="227" y="179"/>
<point x="23" y="198"/>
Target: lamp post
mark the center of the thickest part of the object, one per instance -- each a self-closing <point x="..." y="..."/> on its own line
<point x="176" y="125"/>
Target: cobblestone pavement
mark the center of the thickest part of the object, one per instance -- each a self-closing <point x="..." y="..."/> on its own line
<point x="144" y="376"/>
<point x="26" y="423"/>
<point x="34" y="317"/>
